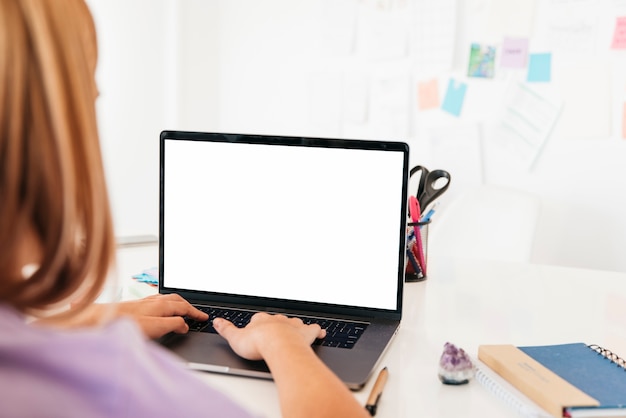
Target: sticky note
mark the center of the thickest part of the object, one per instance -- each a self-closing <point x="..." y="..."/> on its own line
<point x="455" y="95"/>
<point x="481" y="61"/>
<point x="514" y="52"/>
<point x="428" y="94"/>
<point x="619" y="36"/>
<point x="539" y="67"/>
<point x="150" y="276"/>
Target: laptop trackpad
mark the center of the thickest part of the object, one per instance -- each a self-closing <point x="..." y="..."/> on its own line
<point x="210" y="352"/>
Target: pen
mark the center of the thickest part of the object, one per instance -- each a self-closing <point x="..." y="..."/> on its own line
<point x="413" y="261"/>
<point x="377" y="390"/>
<point x="414" y="209"/>
<point x="430" y="213"/>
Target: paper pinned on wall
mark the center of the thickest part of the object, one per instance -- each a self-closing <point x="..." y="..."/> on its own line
<point x="482" y="61"/>
<point x="585" y="89"/>
<point x="514" y="53"/>
<point x="325" y="104"/>
<point x="356" y="99"/>
<point x="338" y="26"/>
<point x="433" y="38"/>
<point x="389" y="105"/>
<point x="455" y="96"/>
<point x="428" y="94"/>
<point x="619" y="36"/>
<point x="456" y="147"/>
<point x="511" y="18"/>
<point x="571" y="27"/>
<point x="383" y="31"/>
<point x="540" y="67"/>
<point x="525" y="123"/>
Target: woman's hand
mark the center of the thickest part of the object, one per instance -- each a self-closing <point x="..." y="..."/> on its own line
<point x="266" y="333"/>
<point x="156" y="315"/>
<point x="306" y="387"/>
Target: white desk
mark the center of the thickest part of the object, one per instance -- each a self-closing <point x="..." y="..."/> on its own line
<point x="467" y="303"/>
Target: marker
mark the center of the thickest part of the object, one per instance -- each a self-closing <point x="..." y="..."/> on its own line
<point x="377" y="390"/>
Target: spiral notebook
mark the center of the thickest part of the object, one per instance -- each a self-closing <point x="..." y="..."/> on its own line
<point x="507" y="393"/>
<point x="566" y="380"/>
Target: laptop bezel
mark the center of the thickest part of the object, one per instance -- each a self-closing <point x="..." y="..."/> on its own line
<point x="280" y="305"/>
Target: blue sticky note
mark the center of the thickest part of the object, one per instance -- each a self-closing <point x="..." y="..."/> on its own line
<point x="455" y="95"/>
<point x="539" y="67"/>
<point x="150" y="276"/>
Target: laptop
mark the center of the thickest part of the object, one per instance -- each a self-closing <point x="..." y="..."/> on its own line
<point x="307" y="227"/>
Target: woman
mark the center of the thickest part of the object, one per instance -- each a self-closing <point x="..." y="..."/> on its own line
<point x="58" y="247"/>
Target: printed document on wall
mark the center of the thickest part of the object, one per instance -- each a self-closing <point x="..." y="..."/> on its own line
<point x="434" y="28"/>
<point x="511" y="18"/>
<point x="570" y="27"/>
<point x="525" y="123"/>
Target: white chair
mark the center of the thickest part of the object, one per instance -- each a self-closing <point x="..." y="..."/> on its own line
<point x="486" y="222"/>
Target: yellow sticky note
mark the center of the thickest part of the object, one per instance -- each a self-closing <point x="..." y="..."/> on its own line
<point x="428" y="94"/>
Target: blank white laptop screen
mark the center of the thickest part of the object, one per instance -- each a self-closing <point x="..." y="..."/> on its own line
<point x="287" y="222"/>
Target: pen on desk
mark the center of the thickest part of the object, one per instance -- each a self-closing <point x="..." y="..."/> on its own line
<point x="377" y="390"/>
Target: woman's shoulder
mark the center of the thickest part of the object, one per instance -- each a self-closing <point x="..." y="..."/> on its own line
<point x="104" y="371"/>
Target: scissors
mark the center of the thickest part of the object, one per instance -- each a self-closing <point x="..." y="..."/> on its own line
<point x="432" y="184"/>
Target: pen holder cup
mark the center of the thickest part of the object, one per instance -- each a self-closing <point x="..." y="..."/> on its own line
<point x="416" y="251"/>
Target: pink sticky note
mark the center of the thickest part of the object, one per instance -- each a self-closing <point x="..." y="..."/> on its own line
<point x="619" y="36"/>
<point x="428" y="94"/>
<point x="514" y="53"/>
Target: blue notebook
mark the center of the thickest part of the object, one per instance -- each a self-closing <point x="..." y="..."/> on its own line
<point x="596" y="371"/>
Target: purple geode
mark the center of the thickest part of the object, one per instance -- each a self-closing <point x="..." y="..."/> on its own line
<point x="455" y="366"/>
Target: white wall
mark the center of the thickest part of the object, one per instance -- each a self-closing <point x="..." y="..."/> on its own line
<point x="132" y="77"/>
<point x="155" y="56"/>
<point x="350" y="68"/>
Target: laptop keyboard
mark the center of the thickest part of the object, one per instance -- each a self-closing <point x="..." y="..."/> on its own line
<point x="343" y="334"/>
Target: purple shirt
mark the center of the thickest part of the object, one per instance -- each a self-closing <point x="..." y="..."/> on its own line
<point x="111" y="371"/>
